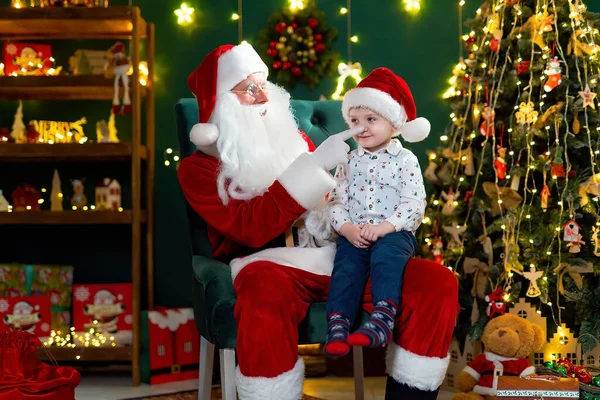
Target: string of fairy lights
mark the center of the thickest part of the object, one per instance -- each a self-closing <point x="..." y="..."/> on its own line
<point x="526" y="114"/>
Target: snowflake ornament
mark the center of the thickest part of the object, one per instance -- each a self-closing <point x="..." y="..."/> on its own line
<point x="4" y="306"/>
<point x="82" y="294"/>
<point x="526" y="113"/>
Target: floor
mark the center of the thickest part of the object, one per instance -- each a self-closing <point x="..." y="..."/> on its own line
<point x="117" y="388"/>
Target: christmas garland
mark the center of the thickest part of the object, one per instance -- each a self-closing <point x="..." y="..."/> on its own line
<point x="298" y="47"/>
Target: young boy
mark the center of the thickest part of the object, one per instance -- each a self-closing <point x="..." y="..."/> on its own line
<point x="378" y="204"/>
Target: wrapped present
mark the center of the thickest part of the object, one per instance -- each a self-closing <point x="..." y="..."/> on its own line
<point x="30" y="314"/>
<point x="105" y="307"/>
<point x="170" y="346"/>
<point x="537" y="387"/>
<point x="55" y="281"/>
<point x="26" y="58"/>
<point x="13" y="280"/>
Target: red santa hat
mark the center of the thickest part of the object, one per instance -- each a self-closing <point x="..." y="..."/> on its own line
<point x="389" y="96"/>
<point x="219" y="72"/>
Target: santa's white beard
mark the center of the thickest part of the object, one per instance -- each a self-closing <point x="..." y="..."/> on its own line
<point x="254" y="147"/>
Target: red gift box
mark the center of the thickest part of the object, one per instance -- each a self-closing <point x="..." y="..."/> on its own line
<point x="26" y="58"/>
<point x="170" y="346"/>
<point x="109" y="305"/>
<point x="29" y="313"/>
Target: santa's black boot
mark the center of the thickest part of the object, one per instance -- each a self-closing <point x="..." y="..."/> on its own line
<point x="400" y="391"/>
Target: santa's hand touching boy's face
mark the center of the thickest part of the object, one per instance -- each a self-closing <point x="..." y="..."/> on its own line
<point x="373" y="232"/>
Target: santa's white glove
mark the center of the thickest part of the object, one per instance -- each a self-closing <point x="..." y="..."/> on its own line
<point x="334" y="151"/>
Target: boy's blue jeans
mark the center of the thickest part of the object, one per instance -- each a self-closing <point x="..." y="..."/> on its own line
<point x="384" y="261"/>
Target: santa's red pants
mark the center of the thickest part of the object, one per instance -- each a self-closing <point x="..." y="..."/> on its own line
<point x="273" y="299"/>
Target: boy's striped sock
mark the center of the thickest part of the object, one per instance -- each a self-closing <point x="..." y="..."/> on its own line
<point x="338" y="329"/>
<point x="378" y="331"/>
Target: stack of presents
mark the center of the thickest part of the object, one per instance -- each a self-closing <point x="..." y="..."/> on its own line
<point x="42" y="300"/>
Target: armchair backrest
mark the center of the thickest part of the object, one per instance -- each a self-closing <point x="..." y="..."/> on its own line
<point x="318" y="119"/>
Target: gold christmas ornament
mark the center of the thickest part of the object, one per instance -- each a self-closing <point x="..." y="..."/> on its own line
<point x="526" y="114"/>
<point x="574" y="272"/>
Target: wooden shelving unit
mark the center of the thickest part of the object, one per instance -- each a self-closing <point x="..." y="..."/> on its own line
<point x="84" y="87"/>
<point x="89" y="217"/>
<point x="66" y="354"/>
<point x="123" y="23"/>
<point x="69" y="152"/>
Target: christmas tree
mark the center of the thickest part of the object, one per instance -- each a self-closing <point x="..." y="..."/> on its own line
<point x="515" y="185"/>
<point x="18" y="128"/>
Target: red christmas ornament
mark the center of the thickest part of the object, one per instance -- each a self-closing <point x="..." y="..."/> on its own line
<point x="495" y="45"/>
<point x="296" y="71"/>
<point x="319" y="47"/>
<point x="567" y="364"/>
<point x="294" y="25"/>
<point x="273" y="44"/>
<point x="313" y="22"/>
<point x="522" y="67"/>
<point x="311" y="64"/>
<point x="287" y="65"/>
<point x="572" y="173"/>
<point x="280" y="27"/>
<point x="558" y="170"/>
<point x="277" y="64"/>
<point x="272" y="52"/>
<point x="318" y="37"/>
<point x="468" y="195"/>
<point x="582" y="374"/>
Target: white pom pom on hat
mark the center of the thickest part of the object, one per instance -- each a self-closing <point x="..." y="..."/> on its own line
<point x="219" y="72"/>
<point x="389" y="96"/>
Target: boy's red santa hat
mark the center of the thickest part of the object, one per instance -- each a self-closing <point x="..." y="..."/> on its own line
<point x="389" y="96"/>
<point x="219" y="72"/>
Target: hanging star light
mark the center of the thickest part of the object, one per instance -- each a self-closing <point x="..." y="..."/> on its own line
<point x="346" y="71"/>
<point x="296" y="5"/>
<point x="588" y="97"/>
<point x="412" y="5"/>
<point x="185" y="14"/>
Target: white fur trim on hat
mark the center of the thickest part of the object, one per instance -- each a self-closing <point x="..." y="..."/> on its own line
<point x="416" y="130"/>
<point x="204" y="134"/>
<point x="376" y="100"/>
<point x="236" y="65"/>
<point x="383" y="104"/>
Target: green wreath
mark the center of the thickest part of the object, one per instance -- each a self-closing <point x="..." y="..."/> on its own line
<point x="298" y="45"/>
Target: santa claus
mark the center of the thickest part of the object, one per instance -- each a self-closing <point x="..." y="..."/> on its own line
<point x="253" y="176"/>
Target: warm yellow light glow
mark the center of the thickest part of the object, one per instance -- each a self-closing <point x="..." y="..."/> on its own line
<point x="185" y="14"/>
<point x="354" y="39"/>
<point x="235" y="16"/>
<point x="412" y="5"/>
<point x="352" y="71"/>
<point x="343" y="11"/>
<point x="296" y="5"/>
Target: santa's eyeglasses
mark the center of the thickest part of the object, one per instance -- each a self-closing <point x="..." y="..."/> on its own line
<point x="252" y="89"/>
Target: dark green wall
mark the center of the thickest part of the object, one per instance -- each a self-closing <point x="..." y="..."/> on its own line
<point x="422" y="49"/>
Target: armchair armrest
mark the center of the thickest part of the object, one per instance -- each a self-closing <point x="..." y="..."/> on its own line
<point x="214" y="299"/>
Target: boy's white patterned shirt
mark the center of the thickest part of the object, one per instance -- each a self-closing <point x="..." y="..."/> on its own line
<point x="386" y="185"/>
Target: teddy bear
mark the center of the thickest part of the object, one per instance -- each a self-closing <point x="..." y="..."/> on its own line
<point x="508" y="340"/>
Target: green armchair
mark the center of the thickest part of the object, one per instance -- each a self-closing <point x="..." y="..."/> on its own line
<point x="213" y="293"/>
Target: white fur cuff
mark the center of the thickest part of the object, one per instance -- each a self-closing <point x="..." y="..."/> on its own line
<point x="306" y="181"/>
<point x="204" y="134"/>
<point x="421" y="372"/>
<point x="287" y="386"/>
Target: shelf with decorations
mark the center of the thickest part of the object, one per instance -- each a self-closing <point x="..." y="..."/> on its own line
<point x="49" y="141"/>
<point x="78" y="87"/>
<point x="88" y="217"/>
<point x="12" y="152"/>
